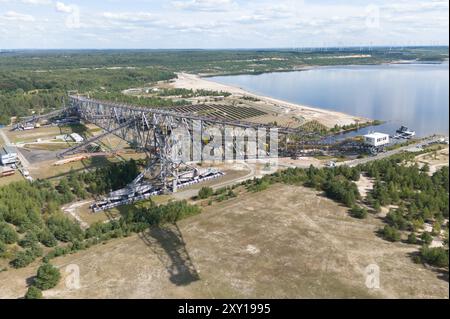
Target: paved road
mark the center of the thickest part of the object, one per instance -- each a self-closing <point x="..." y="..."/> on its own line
<point x="189" y="193"/>
<point x="418" y="145"/>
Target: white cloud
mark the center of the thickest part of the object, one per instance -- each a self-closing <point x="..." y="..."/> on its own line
<point x="416" y="7"/>
<point x="249" y="19"/>
<point x="34" y="2"/>
<point x="37" y="2"/>
<point x="15" y="16"/>
<point x="129" y="16"/>
<point x="223" y="23"/>
<point x="204" y="5"/>
<point x="61" y="7"/>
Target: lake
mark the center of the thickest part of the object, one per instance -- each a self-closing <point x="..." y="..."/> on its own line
<point x="414" y="95"/>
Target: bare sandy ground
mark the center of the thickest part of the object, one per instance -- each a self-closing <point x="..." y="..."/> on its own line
<point x="365" y="185"/>
<point x="286" y="242"/>
<point x="326" y="117"/>
<point x="436" y="161"/>
<point x="72" y="210"/>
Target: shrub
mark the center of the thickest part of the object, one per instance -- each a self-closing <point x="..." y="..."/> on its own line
<point x="434" y="256"/>
<point x="47" y="239"/>
<point x="391" y="234"/>
<point x="22" y="259"/>
<point x="64" y="229"/>
<point x="205" y="192"/>
<point x="358" y="212"/>
<point x="33" y="293"/>
<point x="426" y="238"/>
<point x="259" y="185"/>
<point x="342" y="190"/>
<point x="7" y="234"/>
<point x="26" y="257"/>
<point x="2" y="247"/>
<point x="169" y="213"/>
<point x="47" y="277"/>
<point x="417" y="259"/>
<point x="395" y="219"/>
<point x="412" y="239"/>
<point x="29" y="240"/>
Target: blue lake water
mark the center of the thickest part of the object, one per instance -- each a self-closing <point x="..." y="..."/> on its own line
<point x="414" y="95"/>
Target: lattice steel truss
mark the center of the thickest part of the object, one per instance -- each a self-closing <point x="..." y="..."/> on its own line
<point x="150" y="130"/>
<point x="154" y="131"/>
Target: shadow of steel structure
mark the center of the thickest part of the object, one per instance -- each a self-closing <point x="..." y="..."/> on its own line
<point x="168" y="244"/>
<point x="151" y="130"/>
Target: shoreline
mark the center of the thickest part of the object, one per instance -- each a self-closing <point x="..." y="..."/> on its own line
<point x="310" y="113"/>
<point x="313" y="67"/>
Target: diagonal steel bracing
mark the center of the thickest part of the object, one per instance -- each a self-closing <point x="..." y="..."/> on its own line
<point x="152" y="130"/>
<point x="74" y="149"/>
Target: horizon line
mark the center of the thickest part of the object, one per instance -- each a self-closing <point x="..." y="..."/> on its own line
<point x="229" y="49"/>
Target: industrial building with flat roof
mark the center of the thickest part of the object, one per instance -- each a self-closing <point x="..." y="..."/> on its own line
<point x="77" y="137"/>
<point x="376" y="139"/>
<point x="8" y="155"/>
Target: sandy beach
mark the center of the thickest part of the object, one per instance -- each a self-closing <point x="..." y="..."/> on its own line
<point x="326" y="117"/>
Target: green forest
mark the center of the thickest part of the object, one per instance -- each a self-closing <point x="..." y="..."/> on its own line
<point x="36" y="81"/>
<point x="24" y="91"/>
<point x="152" y="101"/>
<point x="33" y="226"/>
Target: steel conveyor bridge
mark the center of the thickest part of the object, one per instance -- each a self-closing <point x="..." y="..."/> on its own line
<point x="152" y="130"/>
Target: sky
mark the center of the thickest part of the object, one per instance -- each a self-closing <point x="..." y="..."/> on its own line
<point x="213" y="24"/>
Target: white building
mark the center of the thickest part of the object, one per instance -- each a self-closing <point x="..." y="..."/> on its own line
<point x="8" y="155"/>
<point x="77" y="137"/>
<point x="376" y="139"/>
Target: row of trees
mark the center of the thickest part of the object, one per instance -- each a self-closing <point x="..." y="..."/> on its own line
<point x="134" y="220"/>
<point x="350" y="127"/>
<point x="187" y="93"/>
<point x="219" y="195"/>
<point x="138" y="100"/>
<point x="337" y="183"/>
<point x="30" y="216"/>
<point x="22" y="92"/>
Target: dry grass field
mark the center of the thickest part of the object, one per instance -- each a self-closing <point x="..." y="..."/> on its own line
<point x="285" y="242"/>
<point x="17" y="177"/>
<point x="39" y="133"/>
